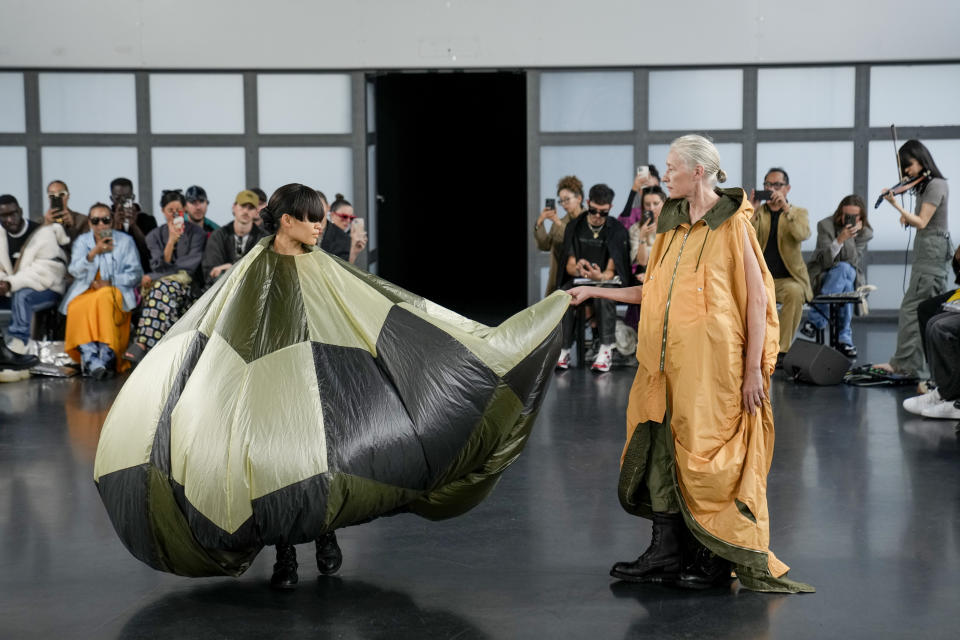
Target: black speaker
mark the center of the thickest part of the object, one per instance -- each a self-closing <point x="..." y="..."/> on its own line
<point x="815" y="363"/>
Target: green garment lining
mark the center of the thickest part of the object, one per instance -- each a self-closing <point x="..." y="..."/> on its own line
<point x="647" y="465"/>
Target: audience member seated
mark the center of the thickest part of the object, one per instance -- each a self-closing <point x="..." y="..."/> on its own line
<point x="943" y="356"/>
<point x="644" y="231"/>
<point x="197" y="204"/>
<point x="261" y="203"/>
<point x="32" y="270"/>
<point x="73" y="222"/>
<point x="570" y="197"/>
<point x="129" y="217"/>
<point x="597" y="249"/>
<point x="633" y="207"/>
<point x="232" y="241"/>
<point x="176" y="251"/>
<point x="787" y="226"/>
<point x="340" y="238"/>
<point x="106" y="271"/>
<point x="837" y="265"/>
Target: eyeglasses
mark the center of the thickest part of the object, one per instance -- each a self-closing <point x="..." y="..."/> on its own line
<point x="598" y="212"/>
<point x="104" y="220"/>
<point x="773" y="185"/>
<point x="565" y="200"/>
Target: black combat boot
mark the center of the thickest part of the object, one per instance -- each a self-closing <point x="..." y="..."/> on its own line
<point x="285" y="568"/>
<point x="661" y="561"/>
<point x="11" y="360"/>
<point x="329" y="557"/>
<point x="703" y="569"/>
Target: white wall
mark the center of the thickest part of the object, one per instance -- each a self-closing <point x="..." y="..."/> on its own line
<point x="365" y="34"/>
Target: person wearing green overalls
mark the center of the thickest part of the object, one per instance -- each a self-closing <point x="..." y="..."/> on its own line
<point x="932" y="250"/>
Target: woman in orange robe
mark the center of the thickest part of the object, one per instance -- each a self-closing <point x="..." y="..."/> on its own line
<point x="699" y="421"/>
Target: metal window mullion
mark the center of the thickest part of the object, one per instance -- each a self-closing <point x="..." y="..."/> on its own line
<point x="534" y="142"/>
<point x="641" y="115"/>
<point x="142" y="142"/>
<point x="251" y="127"/>
<point x="749" y="124"/>
<point x="31" y="98"/>
<point x="358" y="85"/>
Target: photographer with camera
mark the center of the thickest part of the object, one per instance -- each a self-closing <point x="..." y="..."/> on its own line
<point x="73" y="222"/>
<point x="107" y="270"/>
<point x="130" y="218"/>
<point x="837" y="265"/>
<point x="781" y="228"/>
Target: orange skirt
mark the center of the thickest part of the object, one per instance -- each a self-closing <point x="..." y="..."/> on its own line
<point x="98" y="316"/>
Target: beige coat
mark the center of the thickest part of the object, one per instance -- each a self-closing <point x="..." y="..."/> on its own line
<point x="793" y="229"/>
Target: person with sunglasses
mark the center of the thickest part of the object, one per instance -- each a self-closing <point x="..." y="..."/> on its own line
<point x="597" y="249"/>
<point x="781" y="228"/>
<point x="338" y="239"/>
<point x="106" y="270"/>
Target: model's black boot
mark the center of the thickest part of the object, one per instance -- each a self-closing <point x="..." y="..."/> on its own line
<point x="703" y="569"/>
<point x="11" y="360"/>
<point x="285" y="568"/>
<point x="661" y="561"/>
<point x="329" y="557"/>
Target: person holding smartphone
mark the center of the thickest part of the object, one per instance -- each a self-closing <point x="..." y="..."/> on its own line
<point x="59" y="212"/>
<point x="837" y="265"/>
<point x="570" y="197"/>
<point x="647" y="177"/>
<point x="345" y="237"/>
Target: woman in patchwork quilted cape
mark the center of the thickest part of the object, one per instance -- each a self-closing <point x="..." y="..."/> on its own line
<point x="301" y="395"/>
<point x="699" y="421"/>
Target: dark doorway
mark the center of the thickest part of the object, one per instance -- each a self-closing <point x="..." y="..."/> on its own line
<point x="451" y="169"/>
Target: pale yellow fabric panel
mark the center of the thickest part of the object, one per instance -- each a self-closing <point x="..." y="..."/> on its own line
<point x="207" y="450"/>
<point x="285" y="435"/>
<point x="503" y="347"/>
<point x="332" y="319"/>
<point x="126" y="439"/>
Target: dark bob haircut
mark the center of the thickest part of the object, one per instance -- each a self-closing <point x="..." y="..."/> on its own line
<point x="297" y="200"/>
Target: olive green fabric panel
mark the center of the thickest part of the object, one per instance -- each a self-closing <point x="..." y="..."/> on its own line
<point x="352" y="500"/>
<point x="177" y="551"/>
<point x="632" y="489"/>
<point x="331" y="318"/>
<point x="661" y="469"/>
<point x="271" y="283"/>
<point x="130" y="428"/>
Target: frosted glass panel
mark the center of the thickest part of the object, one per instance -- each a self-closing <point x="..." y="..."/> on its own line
<point x="88" y="103"/>
<point x="821" y="174"/>
<point x="329" y="169"/>
<point x="13" y="168"/>
<point x="731" y="161"/>
<point x="12" y="106"/>
<point x="889" y="279"/>
<point x="915" y="95"/>
<point x="371" y="108"/>
<point x="88" y="172"/>
<point x="586" y="101"/>
<point x="783" y="104"/>
<point x="196" y="103"/>
<point x="696" y="100"/>
<point x="888" y="233"/>
<point x="221" y="171"/>
<point x="304" y="103"/>
<point x="612" y="165"/>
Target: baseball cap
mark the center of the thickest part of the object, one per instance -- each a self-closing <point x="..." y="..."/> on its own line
<point x="247" y="197"/>
<point x="195" y="193"/>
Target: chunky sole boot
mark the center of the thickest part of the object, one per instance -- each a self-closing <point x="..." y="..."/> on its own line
<point x="329" y="556"/>
<point x="285" y="569"/>
<point x="660" y="563"/>
<point x="705" y="570"/>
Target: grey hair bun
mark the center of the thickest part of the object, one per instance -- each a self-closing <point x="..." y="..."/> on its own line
<point x="721" y="175"/>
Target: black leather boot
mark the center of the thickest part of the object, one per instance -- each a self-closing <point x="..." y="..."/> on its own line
<point x="11" y="360"/>
<point x="329" y="556"/>
<point x="704" y="569"/>
<point x="661" y="561"/>
<point x="285" y="568"/>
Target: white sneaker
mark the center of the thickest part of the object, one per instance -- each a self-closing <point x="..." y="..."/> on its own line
<point x="917" y="404"/>
<point x="564" y="361"/>
<point x="944" y="410"/>
<point x="601" y="363"/>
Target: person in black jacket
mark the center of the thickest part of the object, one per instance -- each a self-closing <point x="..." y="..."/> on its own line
<point x="229" y="243"/>
<point x="597" y="249"/>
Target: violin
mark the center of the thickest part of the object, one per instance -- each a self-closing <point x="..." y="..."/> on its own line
<point x="903" y="186"/>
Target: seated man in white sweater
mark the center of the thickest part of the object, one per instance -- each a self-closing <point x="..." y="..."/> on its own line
<point x="32" y="269"/>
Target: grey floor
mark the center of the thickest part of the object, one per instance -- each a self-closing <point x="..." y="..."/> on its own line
<point x="864" y="501"/>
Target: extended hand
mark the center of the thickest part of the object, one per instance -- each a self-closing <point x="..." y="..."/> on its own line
<point x="579" y="295"/>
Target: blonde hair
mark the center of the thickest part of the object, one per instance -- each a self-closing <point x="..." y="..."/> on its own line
<point x="697" y="150"/>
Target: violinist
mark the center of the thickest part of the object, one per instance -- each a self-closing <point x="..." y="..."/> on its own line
<point x="931" y="251"/>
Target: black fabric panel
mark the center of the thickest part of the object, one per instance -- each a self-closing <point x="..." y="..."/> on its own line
<point x="530" y="377"/>
<point x="160" y="453"/>
<point x="294" y="514"/>
<point x="211" y="536"/>
<point x="124" y="494"/>
<point x="368" y="431"/>
<point x="444" y="387"/>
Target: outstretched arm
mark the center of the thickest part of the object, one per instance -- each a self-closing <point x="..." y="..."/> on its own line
<point x="628" y="295"/>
